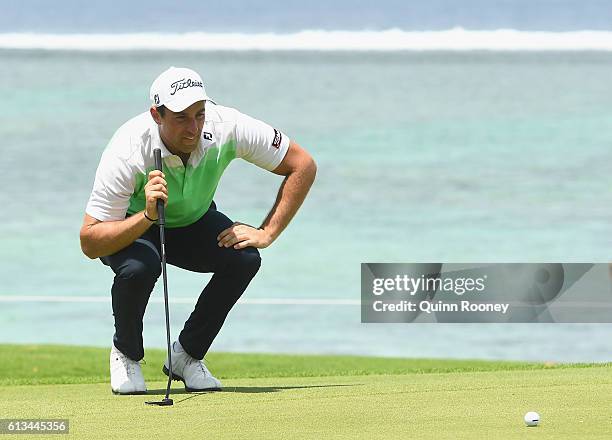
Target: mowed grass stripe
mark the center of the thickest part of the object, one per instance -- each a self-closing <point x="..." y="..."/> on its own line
<point x="573" y="403"/>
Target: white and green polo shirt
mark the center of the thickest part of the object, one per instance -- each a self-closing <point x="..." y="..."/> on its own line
<point x="127" y="160"/>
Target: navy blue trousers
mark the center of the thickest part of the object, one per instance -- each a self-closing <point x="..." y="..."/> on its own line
<point x="193" y="247"/>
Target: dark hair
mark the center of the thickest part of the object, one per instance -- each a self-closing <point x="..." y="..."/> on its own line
<point x="161" y="110"/>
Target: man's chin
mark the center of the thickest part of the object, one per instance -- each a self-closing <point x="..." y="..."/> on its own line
<point x="188" y="147"/>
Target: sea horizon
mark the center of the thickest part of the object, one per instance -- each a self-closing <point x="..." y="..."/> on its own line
<point x="443" y="132"/>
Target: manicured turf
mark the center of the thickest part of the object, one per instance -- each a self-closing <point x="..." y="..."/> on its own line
<point x="270" y="396"/>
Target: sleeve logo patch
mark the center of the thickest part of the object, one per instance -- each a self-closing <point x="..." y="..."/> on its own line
<point x="206" y="135"/>
<point x="278" y="137"/>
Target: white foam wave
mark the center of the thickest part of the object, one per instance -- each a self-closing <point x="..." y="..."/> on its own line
<point x="457" y="39"/>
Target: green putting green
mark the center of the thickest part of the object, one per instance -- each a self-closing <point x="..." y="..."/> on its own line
<point x="283" y="396"/>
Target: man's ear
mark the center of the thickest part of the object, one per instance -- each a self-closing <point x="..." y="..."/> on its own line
<point x="155" y="115"/>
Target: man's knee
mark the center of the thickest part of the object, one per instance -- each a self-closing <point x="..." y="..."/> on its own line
<point x="246" y="261"/>
<point x="142" y="270"/>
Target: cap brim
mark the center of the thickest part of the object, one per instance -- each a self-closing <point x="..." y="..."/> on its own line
<point x="180" y="104"/>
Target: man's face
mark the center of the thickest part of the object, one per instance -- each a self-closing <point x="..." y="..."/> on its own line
<point x="181" y="131"/>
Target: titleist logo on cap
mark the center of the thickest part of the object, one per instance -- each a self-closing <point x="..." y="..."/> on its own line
<point x="183" y="84"/>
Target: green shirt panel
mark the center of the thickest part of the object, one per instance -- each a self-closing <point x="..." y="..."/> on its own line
<point x="190" y="189"/>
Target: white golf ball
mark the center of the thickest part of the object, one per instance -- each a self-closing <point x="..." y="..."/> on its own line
<point x="532" y="418"/>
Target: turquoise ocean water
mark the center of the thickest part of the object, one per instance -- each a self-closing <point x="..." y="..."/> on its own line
<point x="423" y="156"/>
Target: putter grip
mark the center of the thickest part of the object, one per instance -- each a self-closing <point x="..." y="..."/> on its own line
<point x="160" y="203"/>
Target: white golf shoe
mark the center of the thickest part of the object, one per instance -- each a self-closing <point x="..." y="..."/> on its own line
<point x="192" y="372"/>
<point x="126" y="375"/>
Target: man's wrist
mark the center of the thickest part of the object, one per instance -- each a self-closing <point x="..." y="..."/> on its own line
<point x="148" y="218"/>
<point x="269" y="237"/>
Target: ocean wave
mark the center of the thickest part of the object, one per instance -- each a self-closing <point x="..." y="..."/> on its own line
<point x="457" y="39"/>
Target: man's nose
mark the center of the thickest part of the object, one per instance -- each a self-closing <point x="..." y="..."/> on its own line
<point x="192" y="126"/>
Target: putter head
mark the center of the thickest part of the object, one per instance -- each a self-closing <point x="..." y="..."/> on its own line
<point x="163" y="402"/>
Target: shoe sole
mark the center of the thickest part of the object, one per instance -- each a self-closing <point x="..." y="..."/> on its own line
<point x="180" y="379"/>
<point x="133" y="393"/>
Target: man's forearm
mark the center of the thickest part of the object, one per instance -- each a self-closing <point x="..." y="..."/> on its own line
<point x="290" y="197"/>
<point x="106" y="238"/>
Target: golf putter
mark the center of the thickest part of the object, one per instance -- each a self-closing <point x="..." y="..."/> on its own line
<point x="166" y="401"/>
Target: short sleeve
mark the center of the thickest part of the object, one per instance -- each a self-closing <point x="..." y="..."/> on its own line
<point x="112" y="189"/>
<point x="259" y="143"/>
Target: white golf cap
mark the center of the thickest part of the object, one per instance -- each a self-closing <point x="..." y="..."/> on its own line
<point x="177" y="88"/>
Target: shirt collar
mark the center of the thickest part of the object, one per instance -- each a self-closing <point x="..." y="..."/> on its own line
<point x="206" y="140"/>
<point x="157" y="142"/>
